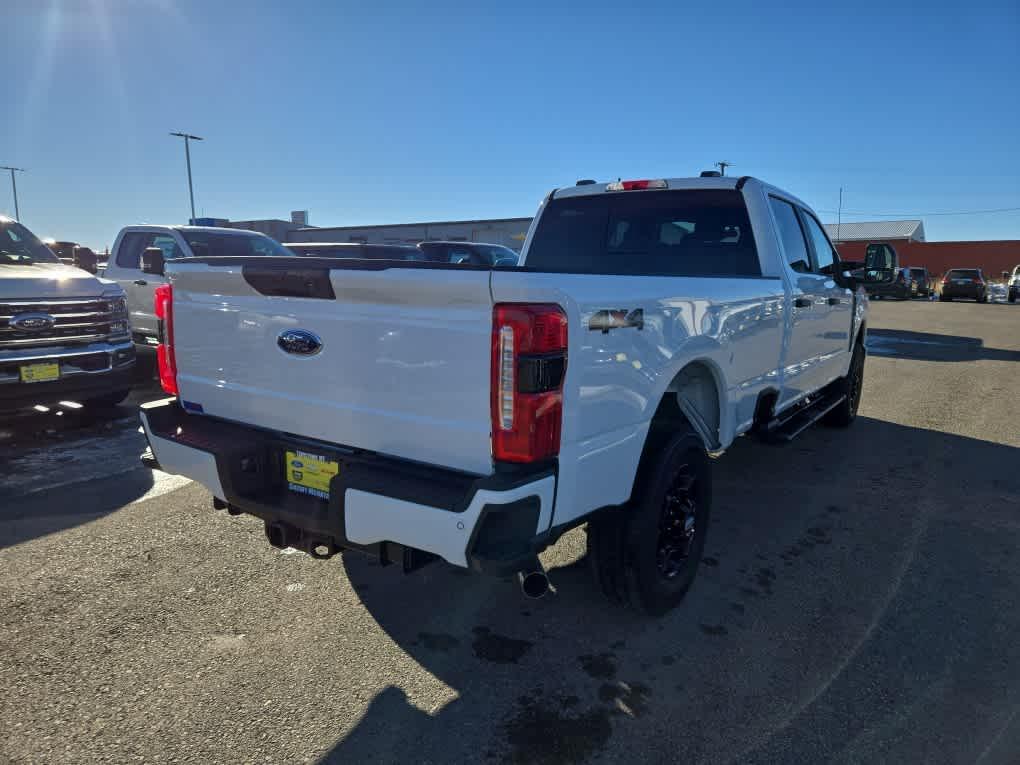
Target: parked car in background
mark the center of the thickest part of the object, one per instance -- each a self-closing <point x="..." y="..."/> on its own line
<point x="63" y="333"/>
<point x="355" y="250"/>
<point x="966" y="283"/>
<point x="475" y="253"/>
<point x="903" y="287"/>
<point x="167" y="243"/>
<point x="923" y="279"/>
<point x="63" y="250"/>
<point x="74" y="254"/>
<point x="1013" y="285"/>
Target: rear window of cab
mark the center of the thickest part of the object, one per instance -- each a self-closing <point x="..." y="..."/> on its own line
<point x="648" y="233"/>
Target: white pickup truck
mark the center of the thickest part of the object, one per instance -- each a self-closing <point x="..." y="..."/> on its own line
<point x="63" y="332"/>
<point x="125" y="264"/>
<point x="476" y="413"/>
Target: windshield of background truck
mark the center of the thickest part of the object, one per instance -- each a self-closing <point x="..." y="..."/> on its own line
<point x="19" y="245"/>
<point x="207" y="244"/>
<point x="963" y="274"/>
<point x="667" y="233"/>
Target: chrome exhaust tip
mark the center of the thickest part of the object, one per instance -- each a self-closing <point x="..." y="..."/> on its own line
<point x="533" y="581"/>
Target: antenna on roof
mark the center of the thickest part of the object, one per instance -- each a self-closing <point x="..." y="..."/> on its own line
<point x="722" y="166"/>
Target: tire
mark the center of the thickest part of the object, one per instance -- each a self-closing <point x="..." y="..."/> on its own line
<point x="851" y="385"/>
<point x="645" y="555"/>
<point x="1012" y="296"/>
<point x="983" y="299"/>
<point x="108" y="400"/>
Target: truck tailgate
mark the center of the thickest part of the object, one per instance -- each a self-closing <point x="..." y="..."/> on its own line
<point x="403" y="368"/>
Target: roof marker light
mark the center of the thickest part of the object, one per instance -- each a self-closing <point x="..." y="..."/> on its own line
<point x="636" y="185"/>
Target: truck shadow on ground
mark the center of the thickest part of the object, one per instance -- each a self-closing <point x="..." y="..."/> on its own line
<point x="67" y="466"/>
<point x="929" y="346"/>
<point x="791" y="639"/>
<point x="25" y="517"/>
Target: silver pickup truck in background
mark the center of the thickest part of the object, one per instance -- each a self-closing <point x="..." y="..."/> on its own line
<point x="63" y="332"/>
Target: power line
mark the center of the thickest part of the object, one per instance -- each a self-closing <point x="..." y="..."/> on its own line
<point x="925" y="214"/>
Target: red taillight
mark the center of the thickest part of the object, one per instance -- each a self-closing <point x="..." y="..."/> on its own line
<point x="529" y="358"/>
<point x="635" y="185"/>
<point x="164" y="308"/>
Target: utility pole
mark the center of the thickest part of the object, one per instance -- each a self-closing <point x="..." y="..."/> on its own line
<point x="187" y="157"/>
<point x="14" y="186"/>
<point x="839" y="213"/>
<point x="722" y="166"/>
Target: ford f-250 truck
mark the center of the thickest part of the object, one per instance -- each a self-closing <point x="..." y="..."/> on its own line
<point x="476" y="413"/>
<point x="63" y="332"/>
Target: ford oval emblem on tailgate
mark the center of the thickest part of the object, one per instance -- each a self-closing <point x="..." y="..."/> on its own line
<point x="299" y="342"/>
<point x="33" y="322"/>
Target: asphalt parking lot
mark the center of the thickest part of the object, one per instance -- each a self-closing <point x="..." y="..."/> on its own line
<point x="858" y="604"/>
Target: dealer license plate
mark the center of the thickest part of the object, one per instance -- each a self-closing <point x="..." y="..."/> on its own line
<point x="310" y="474"/>
<point x="31" y="373"/>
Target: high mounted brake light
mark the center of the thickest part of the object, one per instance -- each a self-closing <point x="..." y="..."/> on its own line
<point x="529" y="358"/>
<point x="636" y="185"/>
<point x="164" y="309"/>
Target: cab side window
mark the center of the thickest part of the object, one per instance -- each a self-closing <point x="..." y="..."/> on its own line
<point x="130" y="251"/>
<point x="129" y="254"/>
<point x="791" y="235"/>
<point x="824" y="255"/>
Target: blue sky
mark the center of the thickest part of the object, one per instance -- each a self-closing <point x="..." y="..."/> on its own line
<point x="385" y="112"/>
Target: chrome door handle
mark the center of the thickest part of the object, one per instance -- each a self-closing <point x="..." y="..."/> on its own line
<point x="141" y="282"/>
<point x="802" y="302"/>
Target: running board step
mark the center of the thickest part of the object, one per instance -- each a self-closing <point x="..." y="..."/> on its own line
<point x="789" y="425"/>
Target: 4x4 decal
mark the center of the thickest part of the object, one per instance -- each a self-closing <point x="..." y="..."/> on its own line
<point x="619" y="318"/>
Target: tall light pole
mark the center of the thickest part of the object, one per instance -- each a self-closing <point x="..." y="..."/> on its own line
<point x="187" y="157"/>
<point x="839" y="213"/>
<point x="14" y="186"/>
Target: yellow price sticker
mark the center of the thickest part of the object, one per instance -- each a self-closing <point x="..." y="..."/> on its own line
<point x="310" y="474"/>
<point x="40" y="372"/>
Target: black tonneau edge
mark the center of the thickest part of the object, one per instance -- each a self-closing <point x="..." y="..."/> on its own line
<point x="304" y="263"/>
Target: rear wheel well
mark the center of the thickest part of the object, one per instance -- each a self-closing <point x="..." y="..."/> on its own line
<point x="694" y="385"/>
<point x="695" y="395"/>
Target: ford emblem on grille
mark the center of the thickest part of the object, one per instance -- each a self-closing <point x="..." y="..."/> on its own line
<point x="299" y="342"/>
<point x="33" y="322"/>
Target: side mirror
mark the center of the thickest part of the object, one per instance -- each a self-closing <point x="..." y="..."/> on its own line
<point x="153" y="262"/>
<point x="85" y="259"/>
<point x="876" y="277"/>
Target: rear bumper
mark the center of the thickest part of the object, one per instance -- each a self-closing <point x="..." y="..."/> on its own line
<point x="85" y="371"/>
<point x="971" y="293"/>
<point x="888" y="290"/>
<point x="376" y="504"/>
